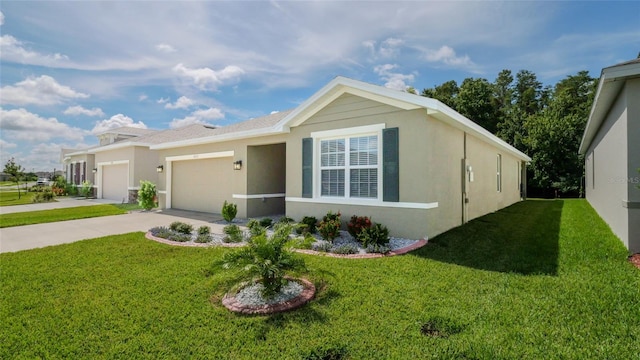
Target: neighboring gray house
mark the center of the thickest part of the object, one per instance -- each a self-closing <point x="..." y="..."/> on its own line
<point x="611" y="145"/>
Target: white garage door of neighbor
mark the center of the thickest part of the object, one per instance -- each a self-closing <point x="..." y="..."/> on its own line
<point x="115" y="182"/>
<point x="201" y="185"/>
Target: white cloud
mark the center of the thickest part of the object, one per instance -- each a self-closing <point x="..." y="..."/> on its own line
<point x="394" y="80"/>
<point x="142" y="97"/>
<point x="182" y="103"/>
<point x="198" y="117"/>
<point x="13" y="50"/>
<point x="162" y="100"/>
<point x="79" y="110"/>
<point x="21" y="124"/>
<point x="116" y="121"/>
<point x="6" y="145"/>
<point x="43" y="90"/>
<point x="207" y="79"/>
<point x="447" y="56"/>
<point x="166" y="48"/>
<point x="274" y="112"/>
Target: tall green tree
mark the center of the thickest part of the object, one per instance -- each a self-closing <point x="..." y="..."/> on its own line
<point x="446" y="92"/>
<point x="15" y="172"/>
<point x="555" y="133"/>
<point x="475" y="101"/>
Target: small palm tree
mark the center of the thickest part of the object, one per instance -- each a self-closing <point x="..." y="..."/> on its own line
<point x="266" y="259"/>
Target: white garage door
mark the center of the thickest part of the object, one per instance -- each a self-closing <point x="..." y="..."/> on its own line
<point x="115" y="182"/>
<point x="201" y="185"/>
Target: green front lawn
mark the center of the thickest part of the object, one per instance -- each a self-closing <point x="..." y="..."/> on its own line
<point x="54" y="215"/>
<point x="538" y="280"/>
<point x="10" y="197"/>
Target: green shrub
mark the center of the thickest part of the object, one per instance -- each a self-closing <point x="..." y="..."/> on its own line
<point x="183" y="228"/>
<point x="147" y="195"/>
<point x="345" y="249"/>
<point x="329" y="227"/>
<point x="300" y="242"/>
<point x="311" y="222"/>
<point x="265" y="259"/>
<point x="71" y="189"/>
<point x="375" y="235"/>
<point x="381" y="249"/>
<point x="255" y="229"/>
<point x="204" y="230"/>
<point x="286" y="220"/>
<point x="179" y="237"/>
<point x="203" y="238"/>
<point x="233" y="232"/>
<point x="161" y="232"/>
<point x="322" y="246"/>
<point x="229" y="211"/>
<point x="356" y="224"/>
<point x="44" y="196"/>
<point x="87" y="189"/>
<point x="266" y="222"/>
<point x="301" y="228"/>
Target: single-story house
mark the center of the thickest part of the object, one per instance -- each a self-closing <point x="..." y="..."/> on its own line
<point x="407" y="161"/>
<point x="611" y="145"/>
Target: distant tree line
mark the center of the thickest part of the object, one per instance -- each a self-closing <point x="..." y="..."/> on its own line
<point x="545" y="123"/>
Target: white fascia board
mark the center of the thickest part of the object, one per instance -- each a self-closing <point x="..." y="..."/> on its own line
<point x="611" y="81"/>
<point x="269" y="131"/>
<point x="117" y="146"/>
<point x="213" y="155"/>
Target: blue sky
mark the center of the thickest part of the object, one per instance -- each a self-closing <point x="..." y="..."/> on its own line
<point x="70" y="69"/>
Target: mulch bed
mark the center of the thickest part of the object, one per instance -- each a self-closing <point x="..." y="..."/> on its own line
<point x="635" y="260"/>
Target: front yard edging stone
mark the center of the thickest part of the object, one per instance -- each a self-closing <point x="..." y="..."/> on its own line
<point x="404" y="250"/>
<point x="308" y="292"/>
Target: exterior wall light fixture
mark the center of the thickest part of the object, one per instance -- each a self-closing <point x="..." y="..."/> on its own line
<point x="160" y="168"/>
<point x="94" y="170"/>
<point x="237" y="165"/>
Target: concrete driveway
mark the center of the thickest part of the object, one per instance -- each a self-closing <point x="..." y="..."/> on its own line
<point x="19" y="238"/>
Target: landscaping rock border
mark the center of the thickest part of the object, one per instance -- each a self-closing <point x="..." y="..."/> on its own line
<point x="418" y="244"/>
<point x="308" y="292"/>
<point x="635" y="260"/>
<point x="190" y="244"/>
<point x="404" y="250"/>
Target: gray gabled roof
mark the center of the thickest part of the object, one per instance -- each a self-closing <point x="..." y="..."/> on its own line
<point x="612" y="80"/>
<point x="280" y="123"/>
<point x="128" y="130"/>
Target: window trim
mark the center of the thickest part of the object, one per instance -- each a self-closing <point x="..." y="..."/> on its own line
<point x="347" y="134"/>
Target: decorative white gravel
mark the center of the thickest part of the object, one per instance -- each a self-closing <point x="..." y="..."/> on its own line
<point x="251" y="295"/>
<point x="399" y="243"/>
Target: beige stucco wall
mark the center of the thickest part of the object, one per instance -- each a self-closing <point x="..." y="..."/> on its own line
<point x="431" y="170"/>
<point x="144" y="166"/>
<point x="606" y="169"/>
<point x="633" y="166"/>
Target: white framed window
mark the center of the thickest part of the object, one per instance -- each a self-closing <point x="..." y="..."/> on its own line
<point x="350" y="165"/>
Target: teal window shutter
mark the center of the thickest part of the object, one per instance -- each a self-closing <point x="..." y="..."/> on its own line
<point x="307" y="167"/>
<point x="390" y="164"/>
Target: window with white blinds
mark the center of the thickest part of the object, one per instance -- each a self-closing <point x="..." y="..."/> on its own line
<point x="349" y="167"/>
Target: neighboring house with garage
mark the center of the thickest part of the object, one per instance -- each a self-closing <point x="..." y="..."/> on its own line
<point x="408" y="161"/>
<point x="611" y="146"/>
<point x="78" y="165"/>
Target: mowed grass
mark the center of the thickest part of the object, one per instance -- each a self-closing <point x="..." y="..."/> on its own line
<point x="538" y="280"/>
<point x="54" y="215"/>
<point x="10" y="197"/>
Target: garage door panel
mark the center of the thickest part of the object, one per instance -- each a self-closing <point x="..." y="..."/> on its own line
<point x="201" y="185"/>
<point x="115" y="179"/>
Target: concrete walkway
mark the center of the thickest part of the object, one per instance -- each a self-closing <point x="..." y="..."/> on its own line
<point x="19" y="238"/>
